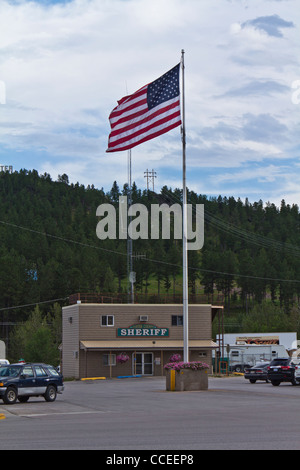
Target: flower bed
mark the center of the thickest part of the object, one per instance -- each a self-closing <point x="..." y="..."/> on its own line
<point x="193" y="365"/>
<point x="186" y="376"/>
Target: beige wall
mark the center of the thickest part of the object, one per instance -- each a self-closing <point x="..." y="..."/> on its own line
<point x="86" y="326"/>
<point x="91" y="364"/>
<point x="126" y="315"/>
<point x="70" y="341"/>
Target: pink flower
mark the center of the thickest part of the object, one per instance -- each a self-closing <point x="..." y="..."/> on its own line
<point x="175" y="358"/>
<point x="122" y="358"/>
<point x="194" y="365"/>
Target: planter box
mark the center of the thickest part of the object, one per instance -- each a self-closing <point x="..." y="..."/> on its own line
<point x="187" y="380"/>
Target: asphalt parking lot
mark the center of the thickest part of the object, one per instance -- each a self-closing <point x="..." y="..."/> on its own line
<point x="139" y="414"/>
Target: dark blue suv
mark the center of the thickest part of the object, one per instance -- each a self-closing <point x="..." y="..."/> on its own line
<point x="21" y="381"/>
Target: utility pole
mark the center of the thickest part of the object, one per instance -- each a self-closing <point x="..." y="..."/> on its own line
<point x="150" y="175"/>
<point x="130" y="272"/>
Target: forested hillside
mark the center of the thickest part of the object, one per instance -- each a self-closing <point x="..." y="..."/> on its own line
<point x="49" y="248"/>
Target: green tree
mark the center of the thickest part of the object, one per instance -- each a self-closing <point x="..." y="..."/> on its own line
<point x="34" y="341"/>
<point x="246" y="281"/>
<point x="40" y="347"/>
<point x="174" y="259"/>
<point x="159" y="267"/>
<point x="109" y="284"/>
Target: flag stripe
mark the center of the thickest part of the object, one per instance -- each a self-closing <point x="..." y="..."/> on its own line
<point x="159" y="124"/>
<point x="131" y="114"/>
<point x="140" y="119"/>
<point x="128" y="106"/>
<point x="149" y="112"/>
<point x="130" y="143"/>
<point x="128" y="100"/>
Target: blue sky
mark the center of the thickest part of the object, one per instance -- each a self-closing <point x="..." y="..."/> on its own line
<point x="64" y="65"/>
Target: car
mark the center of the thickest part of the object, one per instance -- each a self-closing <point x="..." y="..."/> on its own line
<point x="257" y="372"/>
<point x="21" y="381"/>
<point x="282" y="370"/>
<point x="297" y="372"/>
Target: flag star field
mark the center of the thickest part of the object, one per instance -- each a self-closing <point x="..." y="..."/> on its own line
<point x="164" y="88"/>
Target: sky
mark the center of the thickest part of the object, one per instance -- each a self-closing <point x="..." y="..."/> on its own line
<point x="65" y="64"/>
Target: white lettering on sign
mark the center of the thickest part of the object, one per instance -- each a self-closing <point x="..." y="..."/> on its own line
<point x="142" y="331"/>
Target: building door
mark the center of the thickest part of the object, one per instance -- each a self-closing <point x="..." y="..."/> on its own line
<point x="143" y="364"/>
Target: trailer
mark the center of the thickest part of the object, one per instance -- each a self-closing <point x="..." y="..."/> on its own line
<point x="289" y="340"/>
<point x="238" y="356"/>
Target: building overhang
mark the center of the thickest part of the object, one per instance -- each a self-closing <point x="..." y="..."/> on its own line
<point x="145" y="344"/>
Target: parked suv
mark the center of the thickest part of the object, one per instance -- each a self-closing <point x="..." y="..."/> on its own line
<point x="282" y="370"/>
<point x="21" y="381"/>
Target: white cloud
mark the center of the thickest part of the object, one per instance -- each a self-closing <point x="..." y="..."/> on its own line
<point x="65" y="66"/>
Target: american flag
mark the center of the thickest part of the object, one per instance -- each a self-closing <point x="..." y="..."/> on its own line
<point x="149" y="112"/>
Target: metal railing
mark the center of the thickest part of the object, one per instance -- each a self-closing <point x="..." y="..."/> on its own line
<point x="142" y="298"/>
<point x="224" y="365"/>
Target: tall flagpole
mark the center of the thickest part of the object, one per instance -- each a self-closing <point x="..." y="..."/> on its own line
<point x="184" y="237"/>
<point x="130" y="274"/>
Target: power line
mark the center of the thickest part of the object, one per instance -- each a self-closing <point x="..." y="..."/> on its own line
<point x="245" y="235"/>
<point x="87" y="245"/>
<point x="145" y="258"/>
<point x="35" y="303"/>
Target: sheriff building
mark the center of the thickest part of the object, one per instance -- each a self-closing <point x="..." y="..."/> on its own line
<point x="117" y="340"/>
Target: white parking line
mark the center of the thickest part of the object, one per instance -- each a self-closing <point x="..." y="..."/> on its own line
<point x="36" y="415"/>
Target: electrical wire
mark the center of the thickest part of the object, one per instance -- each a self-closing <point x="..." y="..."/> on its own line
<point x="221" y="273"/>
<point x="214" y="221"/>
<point x="35" y="303"/>
<point x="245" y="235"/>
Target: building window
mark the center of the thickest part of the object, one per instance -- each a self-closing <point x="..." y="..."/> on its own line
<point x="109" y="359"/>
<point x="107" y="320"/>
<point x="202" y="354"/>
<point x="177" y="320"/>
